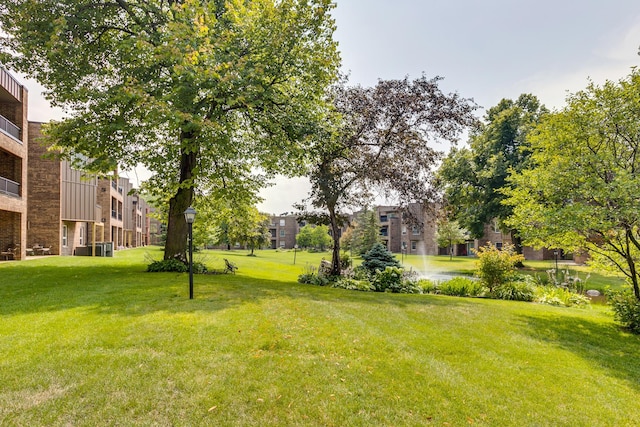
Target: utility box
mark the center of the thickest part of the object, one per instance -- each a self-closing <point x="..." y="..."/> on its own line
<point x="102" y="249"/>
<point x="107" y="249"/>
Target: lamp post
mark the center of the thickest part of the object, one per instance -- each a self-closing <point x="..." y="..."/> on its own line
<point x="295" y="248"/>
<point x="190" y="217"/>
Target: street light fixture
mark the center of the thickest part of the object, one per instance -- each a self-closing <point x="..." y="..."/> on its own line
<point x="190" y="217"/>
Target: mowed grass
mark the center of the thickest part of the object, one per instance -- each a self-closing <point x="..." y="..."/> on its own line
<point x="92" y="342"/>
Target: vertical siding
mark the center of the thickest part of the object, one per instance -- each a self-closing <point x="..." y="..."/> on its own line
<point x="10" y="84"/>
<point x="78" y="195"/>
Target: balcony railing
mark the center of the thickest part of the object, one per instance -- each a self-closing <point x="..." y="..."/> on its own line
<point x="10" y="128"/>
<point x="9" y="187"/>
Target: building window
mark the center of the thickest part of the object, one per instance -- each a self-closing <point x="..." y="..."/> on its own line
<point x="496" y="226"/>
<point x="81" y="238"/>
<point x="384" y="218"/>
<point x="499" y="246"/>
<point x="281" y="233"/>
<point x="404" y="229"/>
<point x="414" y="245"/>
<point x="415" y="230"/>
<point x="64" y="236"/>
<point x="282" y="243"/>
<point x="282" y="223"/>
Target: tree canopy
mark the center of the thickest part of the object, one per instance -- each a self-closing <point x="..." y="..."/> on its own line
<point x="448" y="234"/>
<point x="201" y="93"/>
<point x="379" y="141"/>
<point x="314" y="237"/>
<point x="473" y="177"/>
<point x="581" y="190"/>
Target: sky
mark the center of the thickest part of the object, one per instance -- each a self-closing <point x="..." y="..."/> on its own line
<point x="486" y="50"/>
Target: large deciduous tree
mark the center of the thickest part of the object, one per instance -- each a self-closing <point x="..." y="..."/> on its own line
<point x="473" y="177"/>
<point x="200" y="92"/>
<point x="380" y="142"/>
<point x="582" y="188"/>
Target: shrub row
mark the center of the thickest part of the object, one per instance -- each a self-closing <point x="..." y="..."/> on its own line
<point x="175" y="265"/>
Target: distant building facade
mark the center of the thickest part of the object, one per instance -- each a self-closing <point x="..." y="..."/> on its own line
<point x="283" y="230"/>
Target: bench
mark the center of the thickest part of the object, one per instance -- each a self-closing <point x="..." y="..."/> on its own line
<point x="229" y="267"/>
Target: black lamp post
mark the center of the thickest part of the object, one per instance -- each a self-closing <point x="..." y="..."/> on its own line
<point x="295" y="248"/>
<point x="190" y="217"/>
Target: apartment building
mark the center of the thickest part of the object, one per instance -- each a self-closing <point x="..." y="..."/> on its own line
<point x="494" y="236"/>
<point x="13" y="166"/>
<point x="62" y="209"/>
<point x="411" y="231"/>
<point x="396" y="232"/>
<point x="283" y="230"/>
<point x="135" y="220"/>
<point x="70" y="211"/>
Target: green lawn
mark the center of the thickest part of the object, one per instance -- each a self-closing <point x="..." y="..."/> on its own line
<point x="88" y="342"/>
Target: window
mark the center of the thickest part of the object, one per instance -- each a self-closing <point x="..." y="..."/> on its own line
<point x="496" y="226"/>
<point x="415" y="230"/>
<point x="384" y="218"/>
<point x="282" y="223"/>
<point x="81" y="238"/>
<point x="404" y="229"/>
<point x="414" y="245"/>
<point x="281" y="233"/>
<point x="499" y="246"/>
<point x="64" y="236"/>
<point x="282" y="243"/>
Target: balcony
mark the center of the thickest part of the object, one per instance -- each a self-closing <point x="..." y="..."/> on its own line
<point x="10" y="129"/>
<point x="10" y="188"/>
<point x="10" y="84"/>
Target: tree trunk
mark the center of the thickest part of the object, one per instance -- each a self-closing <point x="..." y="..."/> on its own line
<point x="516" y="240"/>
<point x="335" y="233"/>
<point x="177" y="230"/>
<point x="633" y="273"/>
<point x="517" y="245"/>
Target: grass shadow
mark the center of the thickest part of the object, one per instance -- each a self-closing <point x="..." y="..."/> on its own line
<point x="604" y="345"/>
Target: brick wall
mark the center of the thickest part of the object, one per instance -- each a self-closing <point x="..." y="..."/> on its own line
<point x="10" y="229"/>
<point x="43" y="208"/>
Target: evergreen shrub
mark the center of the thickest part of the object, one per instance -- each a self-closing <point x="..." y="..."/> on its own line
<point x="379" y="258"/>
